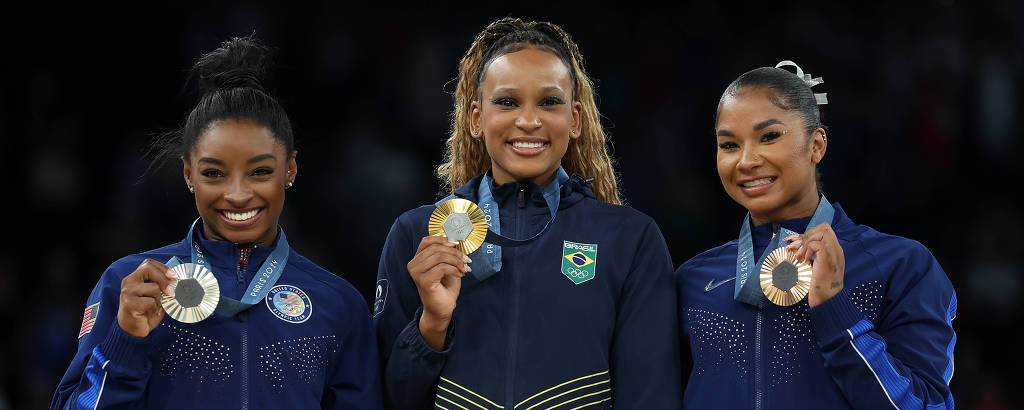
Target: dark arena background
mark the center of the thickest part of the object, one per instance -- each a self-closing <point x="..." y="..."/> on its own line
<point x="924" y="110"/>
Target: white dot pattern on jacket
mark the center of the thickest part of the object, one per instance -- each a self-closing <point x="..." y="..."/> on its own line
<point x="867" y="297"/>
<point x="718" y="340"/>
<point x="195" y="357"/>
<point x="792" y="334"/>
<point x="289" y="361"/>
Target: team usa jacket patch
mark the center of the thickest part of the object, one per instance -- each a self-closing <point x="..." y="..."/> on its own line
<point x="289" y="303"/>
<point x="89" y="319"/>
<point x="579" y="261"/>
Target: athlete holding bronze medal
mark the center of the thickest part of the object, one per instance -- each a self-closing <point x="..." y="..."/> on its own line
<point x="564" y="296"/>
<point x="806" y="309"/>
<point x="250" y="323"/>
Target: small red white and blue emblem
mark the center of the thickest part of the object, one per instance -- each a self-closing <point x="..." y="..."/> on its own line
<point x="89" y="319"/>
<point x="289" y="303"/>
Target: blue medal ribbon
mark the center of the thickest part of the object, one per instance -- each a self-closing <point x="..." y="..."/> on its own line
<point x="749" y="291"/>
<point x="266" y="277"/>
<point x="487" y="259"/>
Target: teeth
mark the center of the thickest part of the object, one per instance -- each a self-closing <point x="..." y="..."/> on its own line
<point x="234" y="216"/>
<point x="524" y="144"/>
<point x="757" y="182"/>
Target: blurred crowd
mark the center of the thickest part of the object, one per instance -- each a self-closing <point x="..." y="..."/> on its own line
<point x="922" y="102"/>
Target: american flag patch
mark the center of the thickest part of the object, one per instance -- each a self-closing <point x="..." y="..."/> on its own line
<point x="90" y="319"/>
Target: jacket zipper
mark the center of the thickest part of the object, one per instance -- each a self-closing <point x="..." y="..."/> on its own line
<point x="758" y="355"/>
<point x="758" y="391"/>
<point x="510" y="370"/>
<point x="244" y="372"/>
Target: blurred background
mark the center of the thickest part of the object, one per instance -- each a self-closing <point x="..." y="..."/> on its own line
<point x="924" y="99"/>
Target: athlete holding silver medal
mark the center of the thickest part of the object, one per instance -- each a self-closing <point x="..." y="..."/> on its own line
<point x="255" y="324"/>
<point x="806" y="309"/>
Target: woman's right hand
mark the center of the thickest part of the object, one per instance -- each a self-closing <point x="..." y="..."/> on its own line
<point x="139" y="310"/>
<point x="437" y="269"/>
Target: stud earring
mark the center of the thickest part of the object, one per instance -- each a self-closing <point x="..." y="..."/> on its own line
<point x="191" y="189"/>
<point x="289" y="185"/>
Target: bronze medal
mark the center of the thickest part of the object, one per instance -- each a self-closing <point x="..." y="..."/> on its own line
<point x="784" y="280"/>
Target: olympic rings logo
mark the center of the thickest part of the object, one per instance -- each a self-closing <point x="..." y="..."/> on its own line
<point x="577" y="273"/>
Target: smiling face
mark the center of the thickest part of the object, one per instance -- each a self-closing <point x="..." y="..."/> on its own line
<point x="766" y="160"/>
<point x="239" y="173"/>
<point x="526" y="115"/>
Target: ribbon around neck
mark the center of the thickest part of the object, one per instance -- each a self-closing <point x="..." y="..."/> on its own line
<point x="747" y="290"/>
<point x="486" y="261"/>
<point x="259" y="287"/>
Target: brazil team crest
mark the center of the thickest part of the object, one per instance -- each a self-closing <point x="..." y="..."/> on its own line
<point x="579" y="261"/>
<point x="289" y="303"/>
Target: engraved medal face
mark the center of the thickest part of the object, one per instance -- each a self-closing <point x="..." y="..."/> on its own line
<point x="784" y="281"/>
<point x="196" y="294"/>
<point x="460" y="220"/>
<point x="457" y="226"/>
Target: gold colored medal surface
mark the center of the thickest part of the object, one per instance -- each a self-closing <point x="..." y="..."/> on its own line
<point x="784" y="280"/>
<point x="196" y="294"/>
<point x="461" y="220"/>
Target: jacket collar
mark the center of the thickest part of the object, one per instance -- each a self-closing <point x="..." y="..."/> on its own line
<point x="223" y="255"/>
<point x="762" y="234"/>
<point x="572" y="192"/>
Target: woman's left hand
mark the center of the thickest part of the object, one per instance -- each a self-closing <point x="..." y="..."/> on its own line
<point x="820" y="247"/>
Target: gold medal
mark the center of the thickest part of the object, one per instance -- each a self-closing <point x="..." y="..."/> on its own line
<point x="196" y="294"/>
<point x="784" y="280"/>
<point x="461" y="220"/>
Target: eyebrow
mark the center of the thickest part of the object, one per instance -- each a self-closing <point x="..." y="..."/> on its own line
<point x="257" y="158"/>
<point x="214" y="161"/>
<point x="510" y="90"/>
<point x="726" y="133"/>
<point x="766" y="123"/>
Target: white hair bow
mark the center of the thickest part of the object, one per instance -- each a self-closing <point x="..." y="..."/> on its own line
<point x="811" y="82"/>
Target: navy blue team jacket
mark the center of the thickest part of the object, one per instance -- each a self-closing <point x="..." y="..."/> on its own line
<point x="529" y="337"/>
<point x="321" y="355"/>
<point x="886" y="340"/>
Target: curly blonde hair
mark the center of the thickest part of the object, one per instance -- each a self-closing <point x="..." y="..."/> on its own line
<point x="466" y="157"/>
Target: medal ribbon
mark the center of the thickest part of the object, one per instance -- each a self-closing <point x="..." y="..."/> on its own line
<point x="266" y="277"/>
<point x="487" y="259"/>
<point x="749" y="291"/>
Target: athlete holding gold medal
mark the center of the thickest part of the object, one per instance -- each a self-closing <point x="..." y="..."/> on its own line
<point x="806" y="309"/>
<point x="231" y="316"/>
<point x="564" y="296"/>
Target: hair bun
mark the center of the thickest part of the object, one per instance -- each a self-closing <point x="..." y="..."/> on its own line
<point x="240" y="62"/>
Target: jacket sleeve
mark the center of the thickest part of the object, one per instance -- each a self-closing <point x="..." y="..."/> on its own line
<point x="356" y="382"/>
<point x="645" y="348"/>
<point x="905" y="360"/>
<point x="111" y="369"/>
<point x="410" y="367"/>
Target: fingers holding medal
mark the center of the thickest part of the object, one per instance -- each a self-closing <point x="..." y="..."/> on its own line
<point x="139" y="310"/>
<point x="820" y="247"/>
